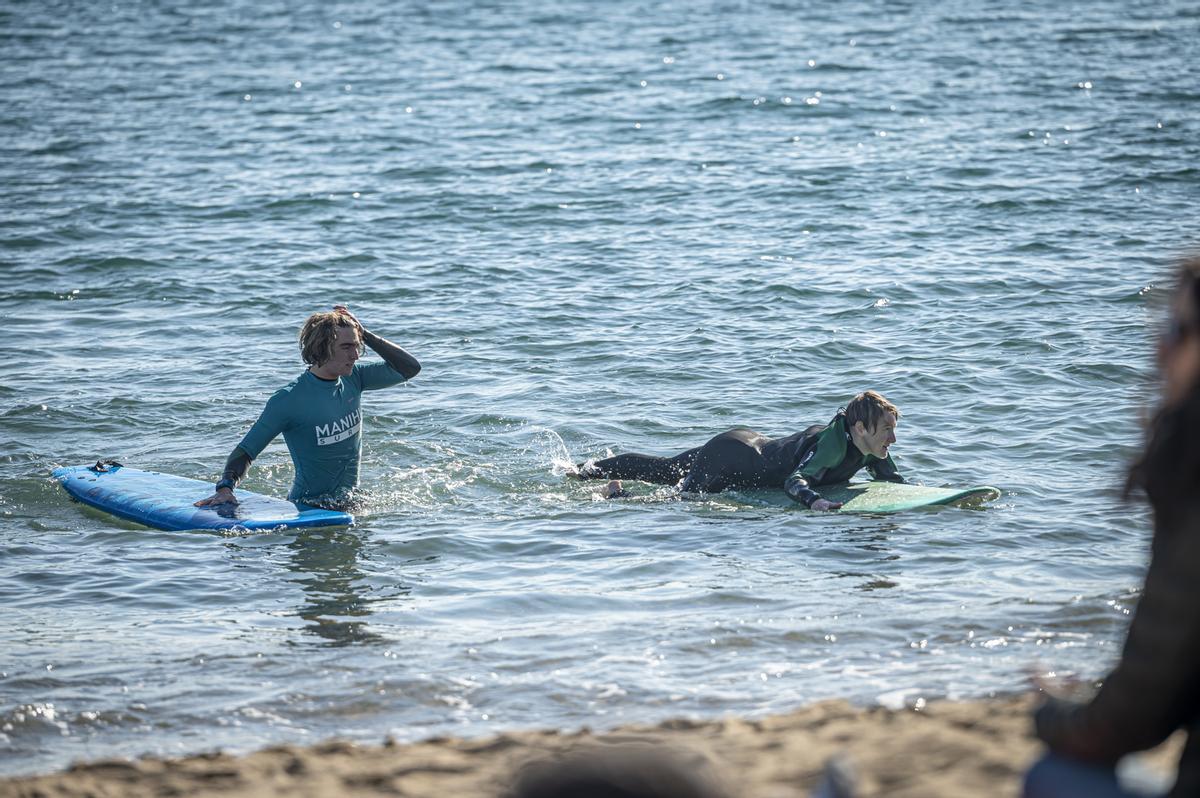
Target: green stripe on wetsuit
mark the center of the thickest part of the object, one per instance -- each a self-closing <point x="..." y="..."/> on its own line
<point x="834" y="458"/>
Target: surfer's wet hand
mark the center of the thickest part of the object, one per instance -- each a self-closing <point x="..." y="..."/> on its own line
<point x="222" y="496"/>
<point x="825" y="504"/>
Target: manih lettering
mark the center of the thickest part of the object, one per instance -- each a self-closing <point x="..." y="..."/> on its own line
<point x="340" y="430"/>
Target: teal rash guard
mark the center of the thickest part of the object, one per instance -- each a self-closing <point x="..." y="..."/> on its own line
<point x="321" y="421"/>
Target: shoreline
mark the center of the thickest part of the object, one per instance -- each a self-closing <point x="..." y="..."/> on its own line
<point x="947" y="748"/>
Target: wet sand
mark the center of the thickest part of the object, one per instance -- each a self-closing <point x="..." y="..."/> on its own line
<point x="944" y="749"/>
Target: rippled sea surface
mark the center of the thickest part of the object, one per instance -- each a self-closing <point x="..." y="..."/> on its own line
<point x="601" y="227"/>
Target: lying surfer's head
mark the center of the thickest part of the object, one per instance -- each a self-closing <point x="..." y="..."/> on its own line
<point x="872" y="421"/>
<point x="332" y="342"/>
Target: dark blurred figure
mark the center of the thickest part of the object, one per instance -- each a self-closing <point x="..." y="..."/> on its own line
<point x="1155" y="688"/>
<point x="646" y="772"/>
<point x="616" y="773"/>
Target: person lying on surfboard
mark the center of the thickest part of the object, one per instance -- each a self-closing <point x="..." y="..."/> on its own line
<point x="858" y="437"/>
<point x="319" y="412"/>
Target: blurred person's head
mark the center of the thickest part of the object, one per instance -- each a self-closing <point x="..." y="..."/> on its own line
<point x="641" y="772"/>
<point x="1179" y="345"/>
<point x="1168" y="469"/>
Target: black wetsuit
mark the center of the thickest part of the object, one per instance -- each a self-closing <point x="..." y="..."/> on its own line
<point x="823" y="454"/>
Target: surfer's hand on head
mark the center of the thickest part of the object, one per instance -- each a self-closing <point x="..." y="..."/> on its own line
<point x="824" y="504"/>
<point x="222" y="496"/>
<point x="345" y="311"/>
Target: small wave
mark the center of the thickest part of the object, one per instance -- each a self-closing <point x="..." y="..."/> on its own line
<point x="25" y="242"/>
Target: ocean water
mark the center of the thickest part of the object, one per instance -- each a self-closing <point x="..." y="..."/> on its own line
<point x="601" y="227"/>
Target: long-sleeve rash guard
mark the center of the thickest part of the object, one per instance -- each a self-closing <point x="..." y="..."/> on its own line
<point x="326" y="456"/>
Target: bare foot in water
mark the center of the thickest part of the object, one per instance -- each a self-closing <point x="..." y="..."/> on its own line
<point x="613" y="490"/>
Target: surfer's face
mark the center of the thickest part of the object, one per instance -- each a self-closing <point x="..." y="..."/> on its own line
<point x="876" y="441"/>
<point x="347" y="344"/>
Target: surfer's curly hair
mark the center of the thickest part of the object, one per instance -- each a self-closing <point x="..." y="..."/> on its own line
<point x="318" y="333"/>
<point x="869" y="407"/>
<point x="1168" y="468"/>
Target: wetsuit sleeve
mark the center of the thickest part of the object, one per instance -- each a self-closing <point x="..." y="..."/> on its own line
<point x="797" y="487"/>
<point x="828" y="452"/>
<point x="1153" y="690"/>
<point x="374" y="376"/>
<point x="884" y="469"/>
<point x="270" y="423"/>
<point x="395" y="356"/>
<point x="236" y="466"/>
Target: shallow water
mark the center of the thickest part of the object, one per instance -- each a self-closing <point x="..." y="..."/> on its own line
<point x="600" y="228"/>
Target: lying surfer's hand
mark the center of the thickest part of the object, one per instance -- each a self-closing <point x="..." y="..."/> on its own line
<point x="824" y="504"/>
<point x="222" y="496"/>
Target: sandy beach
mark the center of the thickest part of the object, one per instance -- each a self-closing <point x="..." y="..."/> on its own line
<point x="944" y="749"/>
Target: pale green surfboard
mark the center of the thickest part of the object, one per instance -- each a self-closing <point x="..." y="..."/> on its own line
<point x="890" y="497"/>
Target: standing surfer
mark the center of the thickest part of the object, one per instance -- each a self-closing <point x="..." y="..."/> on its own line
<point x="319" y="412"/>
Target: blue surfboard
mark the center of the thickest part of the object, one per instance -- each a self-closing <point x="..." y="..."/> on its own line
<point x="164" y="501"/>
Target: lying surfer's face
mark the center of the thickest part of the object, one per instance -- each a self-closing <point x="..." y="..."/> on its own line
<point x="877" y="441"/>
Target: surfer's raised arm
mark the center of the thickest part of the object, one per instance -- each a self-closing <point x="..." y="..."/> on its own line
<point x="392" y="354"/>
<point x="319" y="412"/>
